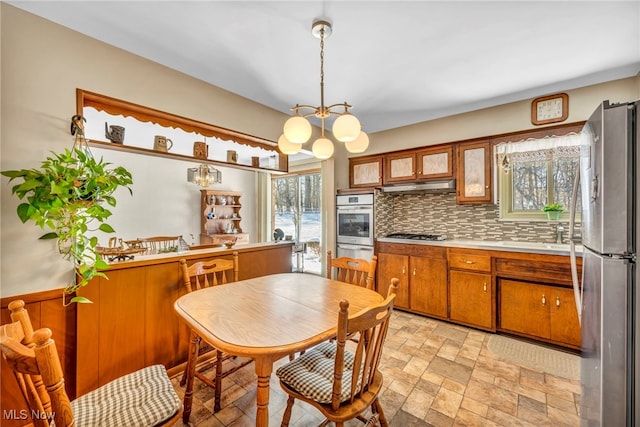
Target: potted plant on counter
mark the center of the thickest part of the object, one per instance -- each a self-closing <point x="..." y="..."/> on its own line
<point x="553" y="211"/>
<point x="68" y="195"/>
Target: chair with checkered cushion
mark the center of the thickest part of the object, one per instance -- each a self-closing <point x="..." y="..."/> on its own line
<point x="197" y="276"/>
<point x="340" y="383"/>
<point x="352" y="270"/>
<point x="142" y="398"/>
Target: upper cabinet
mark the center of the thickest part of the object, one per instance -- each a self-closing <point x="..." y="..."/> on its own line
<point x="474" y="173"/>
<point x="435" y="162"/>
<point x="419" y="165"/>
<point x="400" y="167"/>
<point x="365" y="172"/>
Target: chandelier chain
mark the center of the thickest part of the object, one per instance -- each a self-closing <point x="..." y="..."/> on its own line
<point x="322" y="70"/>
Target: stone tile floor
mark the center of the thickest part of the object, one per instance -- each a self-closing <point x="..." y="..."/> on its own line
<point x="435" y="373"/>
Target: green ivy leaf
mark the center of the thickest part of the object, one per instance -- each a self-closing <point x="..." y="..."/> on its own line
<point x="48" y="236"/>
<point x="81" y="300"/>
<point x="106" y="228"/>
<point x="23" y="212"/>
<point x="13" y="174"/>
<point x="101" y="264"/>
<point x="101" y="274"/>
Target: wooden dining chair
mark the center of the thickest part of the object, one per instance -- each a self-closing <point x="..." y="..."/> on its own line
<point x="197" y="276"/>
<point x="159" y="244"/>
<point x="341" y="383"/>
<point x="352" y="270"/>
<point x="142" y="398"/>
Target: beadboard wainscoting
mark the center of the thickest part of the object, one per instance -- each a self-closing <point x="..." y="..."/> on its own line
<point x="438" y="213"/>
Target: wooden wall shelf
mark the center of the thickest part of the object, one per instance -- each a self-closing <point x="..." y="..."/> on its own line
<point x="149" y="152"/>
<point x="145" y="114"/>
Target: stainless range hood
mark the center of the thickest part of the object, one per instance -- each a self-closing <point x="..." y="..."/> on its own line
<point x="423" y="187"/>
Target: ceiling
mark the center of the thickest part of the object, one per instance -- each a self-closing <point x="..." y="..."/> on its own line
<point x="396" y="62"/>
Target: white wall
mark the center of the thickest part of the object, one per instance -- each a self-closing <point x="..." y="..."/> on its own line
<point x="42" y="65"/>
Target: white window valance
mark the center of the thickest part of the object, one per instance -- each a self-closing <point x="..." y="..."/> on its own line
<point x="541" y="149"/>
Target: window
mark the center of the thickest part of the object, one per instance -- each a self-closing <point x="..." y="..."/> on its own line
<point x="537" y="172"/>
<point x="297" y="212"/>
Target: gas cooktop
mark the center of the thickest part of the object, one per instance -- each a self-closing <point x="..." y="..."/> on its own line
<point x="411" y="236"/>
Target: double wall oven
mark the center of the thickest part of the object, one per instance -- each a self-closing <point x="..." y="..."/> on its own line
<point x="355" y="225"/>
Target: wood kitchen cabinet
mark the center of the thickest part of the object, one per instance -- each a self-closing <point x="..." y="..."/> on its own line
<point x="474" y="173"/>
<point x="419" y="165"/>
<point x="365" y="172"/>
<point x="471" y="294"/>
<point x="400" y="167"/>
<point x="527" y="294"/>
<point x="436" y="162"/>
<point x="535" y="299"/>
<point x="393" y="266"/>
<point x="428" y="286"/>
<point x="539" y="311"/>
<point x="422" y="271"/>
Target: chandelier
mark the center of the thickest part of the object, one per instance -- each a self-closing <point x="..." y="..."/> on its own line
<point x="204" y="175"/>
<point x="346" y="127"/>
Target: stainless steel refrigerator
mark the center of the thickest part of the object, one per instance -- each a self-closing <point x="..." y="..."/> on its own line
<point x="608" y="300"/>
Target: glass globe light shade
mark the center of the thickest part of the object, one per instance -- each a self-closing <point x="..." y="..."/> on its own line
<point x="288" y="147"/>
<point x="346" y="128"/>
<point x="297" y="130"/>
<point x="322" y="148"/>
<point x="359" y="144"/>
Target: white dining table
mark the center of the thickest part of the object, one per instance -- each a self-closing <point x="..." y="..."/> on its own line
<point x="266" y="318"/>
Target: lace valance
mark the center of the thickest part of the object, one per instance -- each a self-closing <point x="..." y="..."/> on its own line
<point x="536" y="150"/>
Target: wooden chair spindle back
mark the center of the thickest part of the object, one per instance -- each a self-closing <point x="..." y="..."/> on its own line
<point x="160" y="244"/>
<point x="209" y="273"/>
<point x="353" y="270"/>
<point x="370" y="327"/>
<point x="34" y="359"/>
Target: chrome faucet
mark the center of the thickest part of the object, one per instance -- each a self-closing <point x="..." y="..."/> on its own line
<point x="559" y="231"/>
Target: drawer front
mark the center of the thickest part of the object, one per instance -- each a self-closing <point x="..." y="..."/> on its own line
<point x="539" y="269"/>
<point x="473" y="262"/>
<point x="428" y="251"/>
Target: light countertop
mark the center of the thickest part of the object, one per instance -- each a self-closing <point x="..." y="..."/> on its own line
<point x="195" y="253"/>
<point x="496" y="245"/>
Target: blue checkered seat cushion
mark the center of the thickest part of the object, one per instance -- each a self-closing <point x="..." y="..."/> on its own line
<point x="142" y="398"/>
<point x="311" y="374"/>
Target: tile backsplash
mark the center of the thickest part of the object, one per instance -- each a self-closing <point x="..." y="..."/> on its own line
<point x="438" y="213"/>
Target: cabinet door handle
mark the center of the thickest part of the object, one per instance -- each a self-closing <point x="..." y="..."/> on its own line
<point x="468" y="262"/>
<point x="484" y="287"/>
<point x="557" y="301"/>
<point x="544" y="300"/>
<point x="404" y="270"/>
<point x="414" y="271"/>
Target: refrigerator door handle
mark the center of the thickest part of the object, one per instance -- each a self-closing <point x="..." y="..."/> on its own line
<point x="594" y="188"/>
<point x="577" y="290"/>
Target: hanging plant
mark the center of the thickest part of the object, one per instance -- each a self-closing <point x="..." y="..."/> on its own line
<point x="68" y="195"/>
